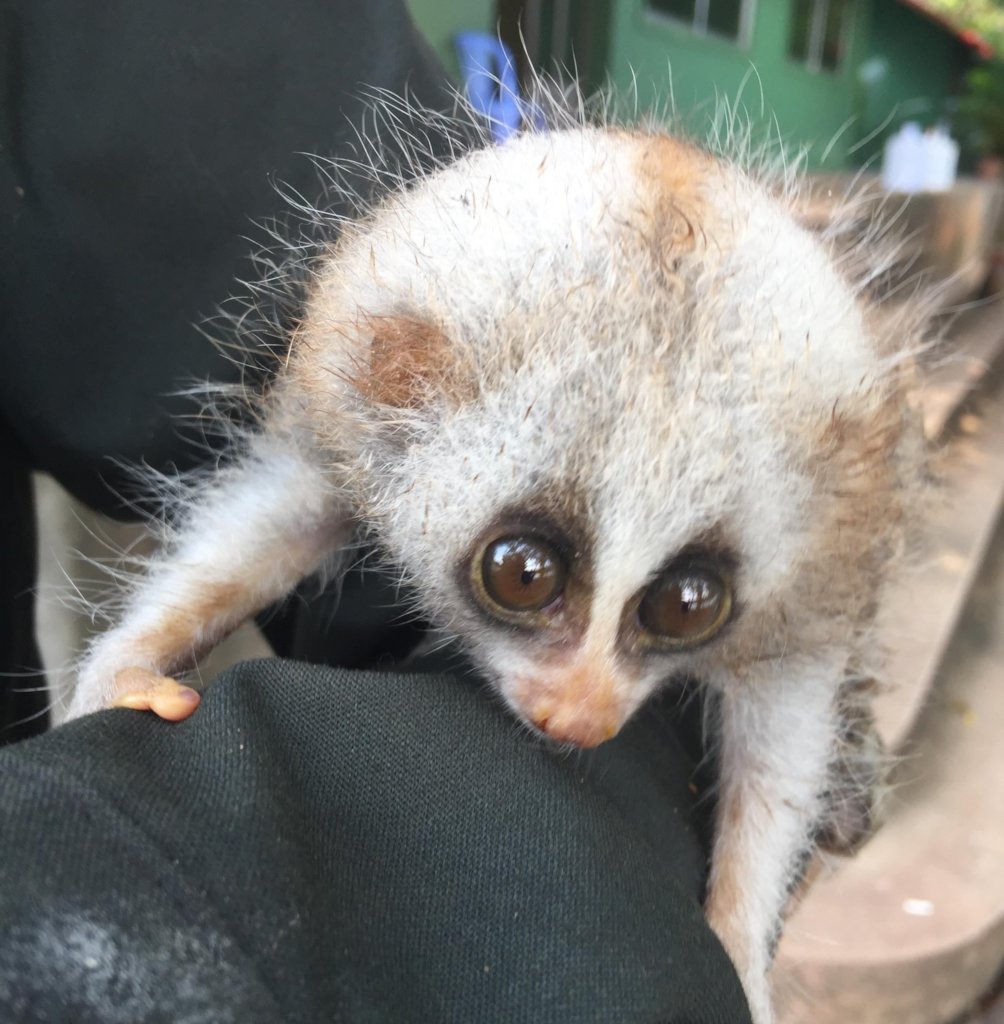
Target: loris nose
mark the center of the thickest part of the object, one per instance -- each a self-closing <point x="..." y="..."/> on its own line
<point x="581" y="702"/>
<point x="582" y="725"/>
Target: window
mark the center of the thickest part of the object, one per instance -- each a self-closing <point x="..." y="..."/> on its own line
<point x="729" y="19"/>
<point x="819" y="33"/>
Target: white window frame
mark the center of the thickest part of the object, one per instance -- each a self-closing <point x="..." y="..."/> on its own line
<point x="699" y="24"/>
<point x="817" y="37"/>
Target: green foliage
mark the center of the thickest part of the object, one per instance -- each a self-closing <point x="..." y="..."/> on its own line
<point x="984" y="16"/>
<point x="981" y="107"/>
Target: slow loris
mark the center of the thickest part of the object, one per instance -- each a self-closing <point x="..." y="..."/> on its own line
<point x="618" y="418"/>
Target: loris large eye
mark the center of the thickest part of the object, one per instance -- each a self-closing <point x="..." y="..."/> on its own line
<point x="519" y="575"/>
<point x="685" y="606"/>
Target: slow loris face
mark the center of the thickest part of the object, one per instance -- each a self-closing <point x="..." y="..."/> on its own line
<point x="604" y="378"/>
<point x="580" y="665"/>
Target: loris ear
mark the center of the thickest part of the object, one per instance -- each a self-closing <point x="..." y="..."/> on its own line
<point x="412" y="362"/>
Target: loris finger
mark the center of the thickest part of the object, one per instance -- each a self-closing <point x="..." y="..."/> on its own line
<point x="146" y="691"/>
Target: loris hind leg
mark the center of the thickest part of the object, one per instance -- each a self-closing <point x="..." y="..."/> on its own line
<point x="852" y="802"/>
<point x="778" y="732"/>
<point x="262" y="525"/>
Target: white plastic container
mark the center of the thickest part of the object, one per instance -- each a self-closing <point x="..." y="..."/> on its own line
<point x="941" y="160"/>
<point x="903" y="160"/>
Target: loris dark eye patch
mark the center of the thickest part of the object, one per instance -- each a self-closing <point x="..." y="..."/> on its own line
<point x="685" y="606"/>
<point x="517" y="576"/>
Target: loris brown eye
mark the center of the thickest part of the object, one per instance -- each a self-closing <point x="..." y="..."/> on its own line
<point x="521" y="574"/>
<point x="685" y="606"/>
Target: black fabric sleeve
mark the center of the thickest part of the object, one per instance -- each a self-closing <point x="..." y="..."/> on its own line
<point x="140" y="143"/>
<point x="23" y="699"/>
<point x="329" y="845"/>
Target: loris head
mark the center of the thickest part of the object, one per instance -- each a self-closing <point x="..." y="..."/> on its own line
<point x="614" y="413"/>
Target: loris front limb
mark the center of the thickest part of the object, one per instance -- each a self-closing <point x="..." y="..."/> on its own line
<point x="778" y="732"/>
<point x="258" y="528"/>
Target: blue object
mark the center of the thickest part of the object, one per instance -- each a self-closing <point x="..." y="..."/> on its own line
<point x="489" y="76"/>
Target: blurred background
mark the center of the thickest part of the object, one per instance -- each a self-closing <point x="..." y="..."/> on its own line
<point x="835" y="76"/>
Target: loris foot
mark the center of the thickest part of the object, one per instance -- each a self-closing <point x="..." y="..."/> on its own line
<point x="143" y="690"/>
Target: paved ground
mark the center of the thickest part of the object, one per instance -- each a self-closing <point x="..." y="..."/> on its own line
<point x="979" y="648"/>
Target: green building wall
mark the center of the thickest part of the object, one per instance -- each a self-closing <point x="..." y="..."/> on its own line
<point x="898" y="65"/>
<point x="812" y="109"/>
<point x="912" y="70"/>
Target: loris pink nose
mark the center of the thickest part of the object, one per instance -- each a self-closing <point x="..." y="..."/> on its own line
<point x="583" y="710"/>
<point x="578" y="729"/>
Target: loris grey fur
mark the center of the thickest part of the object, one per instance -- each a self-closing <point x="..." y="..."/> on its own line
<point x="618" y="418"/>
